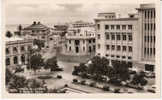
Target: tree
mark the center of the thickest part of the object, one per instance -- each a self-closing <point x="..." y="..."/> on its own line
<point x="51" y="63"/>
<point x="8" y="76"/>
<point x="139" y="79"/>
<point x="9" y="34"/>
<point x="36" y="61"/>
<point x="17" y="82"/>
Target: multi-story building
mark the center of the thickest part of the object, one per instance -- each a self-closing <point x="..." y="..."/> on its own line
<point x="129" y="39"/>
<point x="117" y="38"/>
<point x="79" y="41"/>
<point x="36" y="31"/>
<point x="147" y="29"/>
<point x="17" y="51"/>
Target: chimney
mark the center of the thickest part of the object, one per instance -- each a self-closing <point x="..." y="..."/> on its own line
<point x="38" y="23"/>
<point x="34" y="23"/>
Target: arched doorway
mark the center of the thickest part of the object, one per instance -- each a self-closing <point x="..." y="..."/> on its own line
<point x="15" y="60"/>
<point x="23" y="59"/>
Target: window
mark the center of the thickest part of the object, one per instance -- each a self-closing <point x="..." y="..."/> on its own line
<point x="94" y="40"/>
<point x="124" y="48"/>
<point x="154" y="39"/>
<point x="99" y="46"/>
<point x="124" y="37"/>
<point x="22" y="48"/>
<point x="15" y="60"/>
<point x="7" y="61"/>
<point x="118" y="37"/>
<point x="98" y="26"/>
<point x="130" y="49"/>
<point x="107" y="47"/>
<point x="106" y="55"/>
<point x="145" y="51"/>
<point x="112" y="27"/>
<point x="123" y="57"/>
<point x="94" y="47"/>
<point x="117" y="56"/>
<point x="7" y="51"/>
<point x="106" y="27"/>
<point x="113" y="47"/>
<point x="112" y="55"/>
<point x="123" y="27"/>
<point x="154" y="51"/>
<point x="23" y="58"/>
<point x="70" y="48"/>
<point x="118" y="48"/>
<point x="98" y="36"/>
<point x="69" y="41"/>
<point x="145" y="38"/>
<point x="83" y="48"/>
<point x="129" y="57"/>
<point x="112" y="37"/>
<point x="15" y="49"/>
<point x="150" y="51"/>
<point x="129" y="27"/>
<point x="89" y="41"/>
<point x="107" y="36"/>
<point x="130" y="37"/>
<point x="118" y="27"/>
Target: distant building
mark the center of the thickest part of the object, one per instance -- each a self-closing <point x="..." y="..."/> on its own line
<point x="80" y="23"/>
<point x="147" y="39"/>
<point x="79" y="41"/>
<point x="116" y="37"/>
<point x="17" y="51"/>
<point x="36" y="31"/>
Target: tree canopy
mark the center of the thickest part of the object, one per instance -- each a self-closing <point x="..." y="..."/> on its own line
<point x="9" y="34"/>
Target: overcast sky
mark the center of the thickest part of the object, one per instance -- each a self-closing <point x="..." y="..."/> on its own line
<point x="58" y="11"/>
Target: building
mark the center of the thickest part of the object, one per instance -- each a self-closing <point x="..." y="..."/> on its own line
<point x="17" y="50"/>
<point x="129" y="39"/>
<point x="147" y="29"/>
<point x="79" y="41"/>
<point x="36" y="31"/>
<point x="81" y="23"/>
<point x="117" y="38"/>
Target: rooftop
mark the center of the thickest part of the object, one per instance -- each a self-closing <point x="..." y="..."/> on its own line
<point x="36" y="26"/>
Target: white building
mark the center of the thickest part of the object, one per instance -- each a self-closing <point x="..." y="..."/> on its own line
<point x="79" y="41"/>
<point x="17" y="51"/>
<point x="147" y="29"/>
<point x="129" y="39"/>
<point x="116" y="37"/>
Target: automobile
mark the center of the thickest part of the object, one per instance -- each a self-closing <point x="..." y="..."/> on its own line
<point x="151" y="89"/>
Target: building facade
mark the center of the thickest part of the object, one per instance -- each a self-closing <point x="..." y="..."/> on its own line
<point x="79" y="41"/>
<point x="36" y="31"/>
<point x="17" y="51"/>
<point x="147" y="29"/>
<point x="116" y="38"/>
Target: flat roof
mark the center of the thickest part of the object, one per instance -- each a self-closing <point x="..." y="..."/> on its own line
<point x="116" y="19"/>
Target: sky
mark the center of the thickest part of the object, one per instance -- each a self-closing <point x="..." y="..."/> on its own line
<point x="60" y="11"/>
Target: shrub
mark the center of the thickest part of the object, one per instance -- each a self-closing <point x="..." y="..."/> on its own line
<point x="106" y="88"/>
<point x="59" y="76"/>
<point x="83" y="82"/>
<point x="75" y="80"/>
